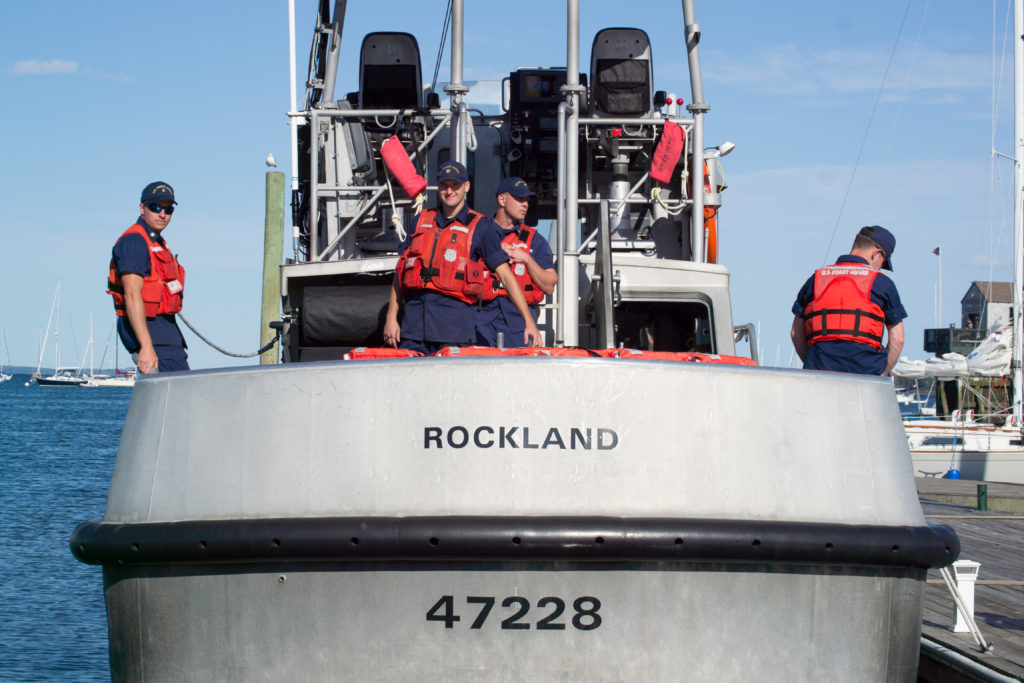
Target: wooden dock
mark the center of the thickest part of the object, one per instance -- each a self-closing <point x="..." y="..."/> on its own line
<point x="995" y="538"/>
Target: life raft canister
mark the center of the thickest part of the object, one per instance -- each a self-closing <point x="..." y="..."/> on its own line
<point x="493" y="287"/>
<point x="397" y="162"/>
<point x="842" y="308"/>
<point x="162" y="289"/>
<point x="438" y="259"/>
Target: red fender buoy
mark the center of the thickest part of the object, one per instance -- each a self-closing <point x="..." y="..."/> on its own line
<point x="398" y="164"/>
<point x="668" y="151"/>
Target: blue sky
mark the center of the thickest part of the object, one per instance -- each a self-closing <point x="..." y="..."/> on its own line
<point x="101" y="98"/>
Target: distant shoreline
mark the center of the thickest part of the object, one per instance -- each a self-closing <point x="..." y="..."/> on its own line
<point x="28" y="370"/>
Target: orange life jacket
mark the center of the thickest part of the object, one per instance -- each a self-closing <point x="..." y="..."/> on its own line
<point x="162" y="289"/>
<point x="493" y="287"/>
<point x="438" y="259"/>
<point x="842" y="308"/>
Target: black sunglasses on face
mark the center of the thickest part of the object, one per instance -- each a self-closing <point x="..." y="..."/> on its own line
<point x="157" y="208"/>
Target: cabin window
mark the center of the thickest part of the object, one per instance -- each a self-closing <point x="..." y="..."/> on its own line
<point x="664" y="326"/>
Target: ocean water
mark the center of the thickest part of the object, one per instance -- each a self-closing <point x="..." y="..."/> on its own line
<point x="57" y="446"/>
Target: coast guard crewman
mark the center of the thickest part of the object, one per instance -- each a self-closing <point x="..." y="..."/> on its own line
<point x="529" y="256"/>
<point x="440" y="273"/>
<point x="841" y="312"/>
<point x="147" y="284"/>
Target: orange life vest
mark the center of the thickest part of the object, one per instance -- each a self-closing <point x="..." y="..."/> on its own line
<point x="842" y="308"/>
<point x="438" y="259"/>
<point x="162" y="289"/>
<point x="493" y="287"/>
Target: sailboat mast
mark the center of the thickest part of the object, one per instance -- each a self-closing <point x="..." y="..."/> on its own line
<point x="1018" y="206"/>
<point x="56" y="334"/>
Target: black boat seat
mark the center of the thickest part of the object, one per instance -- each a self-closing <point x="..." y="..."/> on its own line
<point x="389" y="72"/>
<point x="621" y="74"/>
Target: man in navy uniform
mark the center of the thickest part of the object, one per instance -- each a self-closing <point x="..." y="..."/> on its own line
<point x="147" y="284"/>
<point x="529" y="256"/>
<point x="842" y="310"/>
<point x="440" y="272"/>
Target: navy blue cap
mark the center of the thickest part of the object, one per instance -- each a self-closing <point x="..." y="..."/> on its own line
<point x="452" y="170"/>
<point x="884" y="239"/>
<point x="158" y="191"/>
<point x="516" y="187"/>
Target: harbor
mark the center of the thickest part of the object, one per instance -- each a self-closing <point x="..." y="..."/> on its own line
<point x="635" y="488"/>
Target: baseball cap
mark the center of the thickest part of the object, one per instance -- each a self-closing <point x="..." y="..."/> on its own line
<point x="516" y="187"/>
<point x="884" y="239"/>
<point x="158" y="191"/>
<point x="452" y="170"/>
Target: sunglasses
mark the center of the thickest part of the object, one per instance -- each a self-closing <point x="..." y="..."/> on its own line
<point x="157" y="208"/>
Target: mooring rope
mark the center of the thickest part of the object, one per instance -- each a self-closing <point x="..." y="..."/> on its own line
<point x="266" y="348"/>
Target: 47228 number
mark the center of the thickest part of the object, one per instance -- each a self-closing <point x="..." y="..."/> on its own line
<point x="585" y="615"/>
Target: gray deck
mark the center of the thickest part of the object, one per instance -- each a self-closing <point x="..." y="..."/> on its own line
<point x="995" y="539"/>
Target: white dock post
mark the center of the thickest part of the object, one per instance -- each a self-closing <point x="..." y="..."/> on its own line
<point x="966" y="574"/>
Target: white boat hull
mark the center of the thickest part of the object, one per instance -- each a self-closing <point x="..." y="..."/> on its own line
<point x="305" y="522"/>
<point x="126" y="382"/>
<point x="57" y="381"/>
<point x="659" y="622"/>
<point x="977" y="451"/>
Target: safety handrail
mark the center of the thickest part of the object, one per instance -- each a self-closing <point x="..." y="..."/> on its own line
<point x="314" y="209"/>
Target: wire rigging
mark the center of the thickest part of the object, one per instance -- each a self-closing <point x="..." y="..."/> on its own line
<point x="867" y="131"/>
<point x="995" y="178"/>
<point x="440" y="48"/>
<point x="906" y="81"/>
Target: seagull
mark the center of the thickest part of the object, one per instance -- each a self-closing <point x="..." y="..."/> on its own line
<point x="271" y="161"/>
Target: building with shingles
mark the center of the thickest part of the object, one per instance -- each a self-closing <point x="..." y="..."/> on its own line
<point x="987" y="305"/>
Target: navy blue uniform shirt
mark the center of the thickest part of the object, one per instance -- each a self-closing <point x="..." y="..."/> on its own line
<point x="851" y="356"/>
<point x="440" y="319"/>
<point x="500" y="315"/>
<point x="131" y="255"/>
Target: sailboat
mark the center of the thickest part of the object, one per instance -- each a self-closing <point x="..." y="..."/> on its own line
<point x="63" y="376"/>
<point x="620" y="504"/>
<point x="980" y="449"/>
<point x="4" y="376"/>
<point x="121" y="378"/>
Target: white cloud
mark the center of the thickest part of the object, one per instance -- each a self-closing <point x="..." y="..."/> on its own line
<point x="794" y="70"/>
<point x="34" y="67"/>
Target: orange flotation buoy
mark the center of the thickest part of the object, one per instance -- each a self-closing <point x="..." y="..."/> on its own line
<point x="365" y="352"/>
<point x="666" y="154"/>
<point x="398" y="164"/>
<point x="685" y="356"/>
